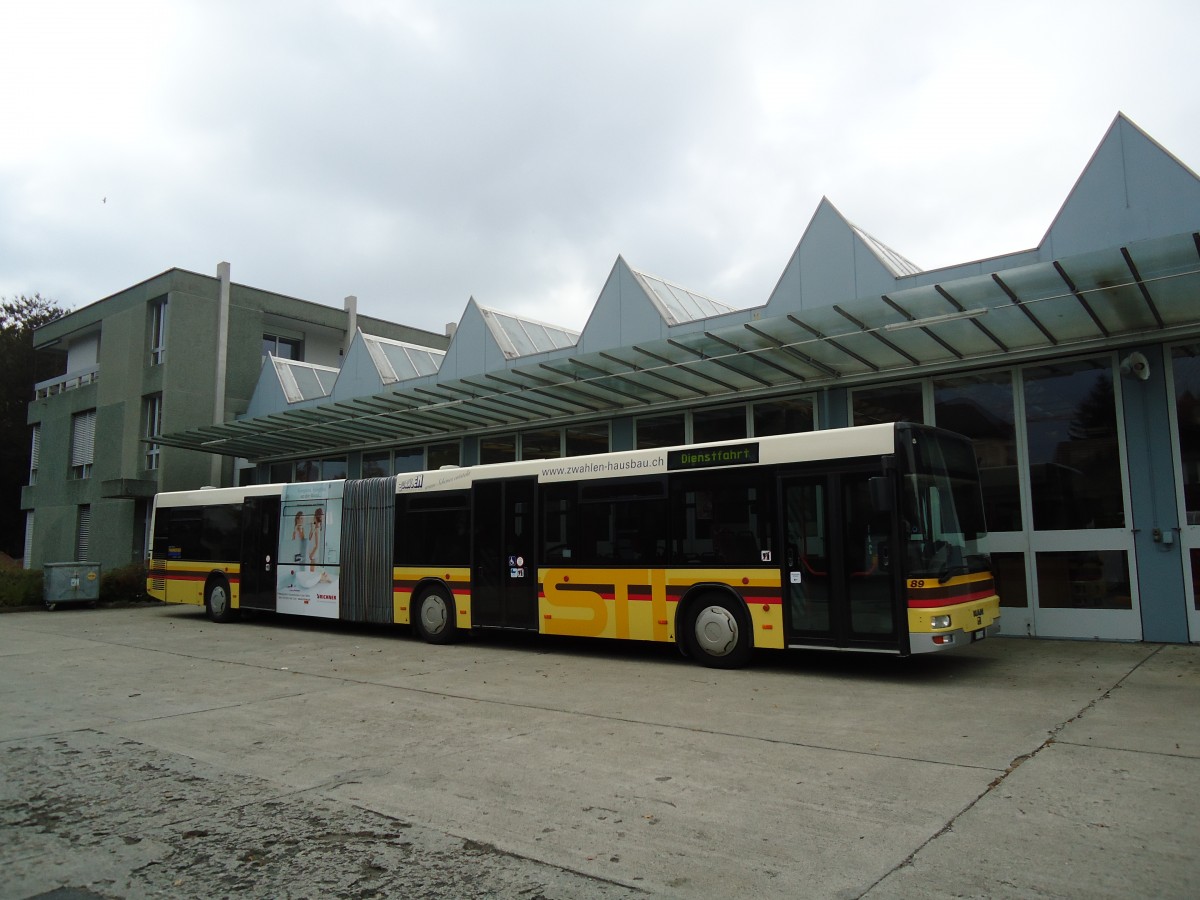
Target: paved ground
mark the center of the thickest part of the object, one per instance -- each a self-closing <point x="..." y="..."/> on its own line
<point x="145" y="752"/>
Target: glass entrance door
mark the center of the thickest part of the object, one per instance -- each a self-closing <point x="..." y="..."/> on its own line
<point x="840" y="590"/>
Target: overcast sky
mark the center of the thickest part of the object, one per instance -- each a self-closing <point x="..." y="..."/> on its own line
<point x="416" y="154"/>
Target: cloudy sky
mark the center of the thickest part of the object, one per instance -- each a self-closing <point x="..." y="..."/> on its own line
<point x="416" y="153"/>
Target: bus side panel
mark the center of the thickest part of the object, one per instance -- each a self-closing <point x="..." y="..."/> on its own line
<point x="406" y="578"/>
<point x="640" y="604"/>
<point x="183" y="581"/>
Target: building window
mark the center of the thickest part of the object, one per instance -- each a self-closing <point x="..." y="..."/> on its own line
<point x="784" y="416"/>
<point x="377" y="465"/>
<point x="890" y="403"/>
<point x="660" y="431"/>
<point x="444" y="455"/>
<point x="83" y="443"/>
<point x="27" y="559"/>
<point x="283" y="347"/>
<point x="583" y="440"/>
<point x="545" y="444"/>
<point x="35" y="451"/>
<point x="497" y="448"/>
<point x="152" y="426"/>
<point x="409" y="459"/>
<point x="727" y="424"/>
<point x="83" y="529"/>
<point x="158" y="331"/>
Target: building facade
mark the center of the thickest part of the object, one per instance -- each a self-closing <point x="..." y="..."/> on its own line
<point x="176" y="352"/>
<point x="1074" y="366"/>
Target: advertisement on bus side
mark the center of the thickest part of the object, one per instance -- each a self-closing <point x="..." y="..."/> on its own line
<point x="310" y="535"/>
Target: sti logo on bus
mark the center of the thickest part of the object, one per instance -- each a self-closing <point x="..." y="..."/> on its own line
<point x="732" y="455"/>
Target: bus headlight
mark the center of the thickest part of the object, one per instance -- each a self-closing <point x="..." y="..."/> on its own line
<point x="940" y="622"/>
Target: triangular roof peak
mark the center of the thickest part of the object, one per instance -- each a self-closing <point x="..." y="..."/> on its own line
<point x="835" y="261"/>
<point x="1131" y="189"/>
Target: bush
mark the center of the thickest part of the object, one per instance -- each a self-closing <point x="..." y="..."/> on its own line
<point x="123" y="583"/>
<point x="20" y="587"/>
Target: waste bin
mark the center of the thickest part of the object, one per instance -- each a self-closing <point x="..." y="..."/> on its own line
<point x="70" y="582"/>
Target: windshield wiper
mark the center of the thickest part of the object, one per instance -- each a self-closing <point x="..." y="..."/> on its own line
<point x="949" y="571"/>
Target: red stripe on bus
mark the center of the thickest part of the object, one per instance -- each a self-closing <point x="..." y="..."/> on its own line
<point x="955" y="600"/>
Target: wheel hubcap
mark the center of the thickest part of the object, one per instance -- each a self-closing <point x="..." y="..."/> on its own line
<point x="218" y="600"/>
<point x="716" y="631"/>
<point x="433" y="614"/>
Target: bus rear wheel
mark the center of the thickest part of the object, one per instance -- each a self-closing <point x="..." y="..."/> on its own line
<point x="217" y="600"/>
<point x="717" y="633"/>
<point x="434" y="619"/>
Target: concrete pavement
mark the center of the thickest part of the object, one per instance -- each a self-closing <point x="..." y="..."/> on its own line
<point x="582" y="769"/>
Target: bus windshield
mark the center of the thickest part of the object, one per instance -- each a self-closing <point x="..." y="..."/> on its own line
<point x="942" y="519"/>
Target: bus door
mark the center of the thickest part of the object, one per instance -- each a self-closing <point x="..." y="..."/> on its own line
<point x="260" y="552"/>
<point x="504" y="584"/>
<point x="838" y="577"/>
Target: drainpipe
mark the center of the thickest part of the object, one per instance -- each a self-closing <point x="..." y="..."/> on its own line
<point x="222" y="358"/>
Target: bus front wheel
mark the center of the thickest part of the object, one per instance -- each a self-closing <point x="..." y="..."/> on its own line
<point x="717" y="634"/>
<point x="217" y="600"/>
<point x="435" y="617"/>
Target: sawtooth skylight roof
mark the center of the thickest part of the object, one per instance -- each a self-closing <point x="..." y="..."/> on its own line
<point x="898" y="265"/>
<point x="518" y="336"/>
<point x="677" y="304"/>
<point x="303" y="381"/>
<point x="398" y="361"/>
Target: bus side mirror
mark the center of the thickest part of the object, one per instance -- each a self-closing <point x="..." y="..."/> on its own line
<point x="880" y="487"/>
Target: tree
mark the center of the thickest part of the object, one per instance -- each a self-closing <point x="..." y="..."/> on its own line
<point x="20" y="370"/>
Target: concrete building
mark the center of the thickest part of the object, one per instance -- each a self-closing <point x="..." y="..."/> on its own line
<point x="176" y="352"/>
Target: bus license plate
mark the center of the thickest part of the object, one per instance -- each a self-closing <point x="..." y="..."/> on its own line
<point x="979" y="635"/>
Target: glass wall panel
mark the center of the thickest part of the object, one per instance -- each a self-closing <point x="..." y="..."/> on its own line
<point x="1087" y="579"/>
<point x="660" y="431"/>
<point x="1186" y="363"/>
<point x="585" y="439"/>
<point x="727" y="424"/>
<point x="541" y="444"/>
<point x="981" y="407"/>
<point x="497" y="448"/>
<point x="280" y="473"/>
<point x="784" y="416"/>
<point x="1074" y="458"/>
<point x="889" y="403"/>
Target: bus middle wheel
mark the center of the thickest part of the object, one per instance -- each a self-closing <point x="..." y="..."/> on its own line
<point x="434" y="618"/>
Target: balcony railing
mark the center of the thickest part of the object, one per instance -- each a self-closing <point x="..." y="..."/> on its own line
<point x="77" y="379"/>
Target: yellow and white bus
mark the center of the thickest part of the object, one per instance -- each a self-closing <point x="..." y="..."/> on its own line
<point x="869" y="538"/>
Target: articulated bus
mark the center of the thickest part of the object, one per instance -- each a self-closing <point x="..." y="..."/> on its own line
<point x="868" y="538"/>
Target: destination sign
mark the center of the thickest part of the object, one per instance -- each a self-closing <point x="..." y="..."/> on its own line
<point x="708" y="457"/>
